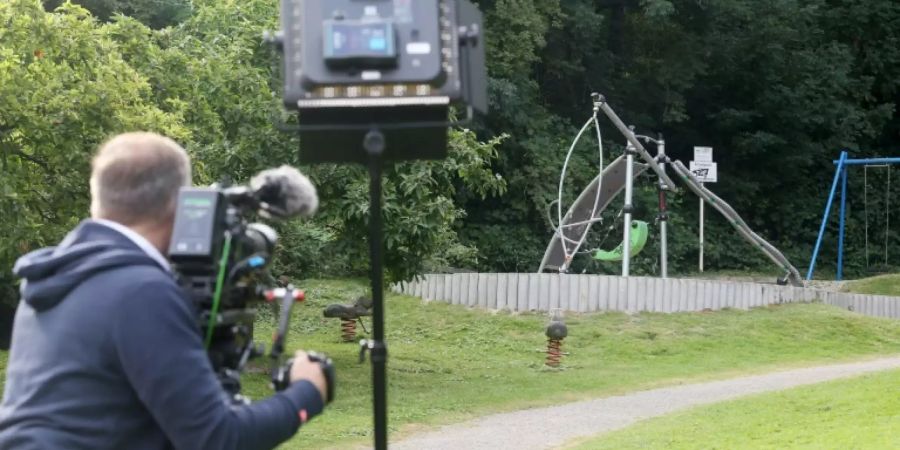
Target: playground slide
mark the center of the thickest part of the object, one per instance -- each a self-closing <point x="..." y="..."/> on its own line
<point x="793" y="276"/>
<point x="580" y="216"/>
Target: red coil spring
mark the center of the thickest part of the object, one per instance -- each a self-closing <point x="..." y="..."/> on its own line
<point x="348" y="330"/>
<point x="554" y="352"/>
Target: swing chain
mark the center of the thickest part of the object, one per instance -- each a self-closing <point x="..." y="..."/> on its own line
<point x="887" y="212"/>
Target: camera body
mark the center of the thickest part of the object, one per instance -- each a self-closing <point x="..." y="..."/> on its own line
<point x="395" y="65"/>
<point x="202" y="218"/>
<point x="218" y="253"/>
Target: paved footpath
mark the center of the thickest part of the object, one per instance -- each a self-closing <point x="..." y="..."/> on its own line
<point x="550" y="427"/>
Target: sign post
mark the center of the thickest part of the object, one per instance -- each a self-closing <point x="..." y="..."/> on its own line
<point x="706" y="171"/>
<point x="702" y="221"/>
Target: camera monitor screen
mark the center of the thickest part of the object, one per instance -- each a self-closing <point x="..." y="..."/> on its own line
<point x="195" y="223"/>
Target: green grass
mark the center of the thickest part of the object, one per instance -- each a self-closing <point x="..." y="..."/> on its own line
<point x="859" y="413"/>
<point x="880" y="285"/>
<point x="449" y="363"/>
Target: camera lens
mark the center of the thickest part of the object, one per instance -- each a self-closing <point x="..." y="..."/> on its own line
<point x="260" y="238"/>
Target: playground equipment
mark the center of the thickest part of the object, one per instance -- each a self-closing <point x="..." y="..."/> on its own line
<point x="556" y="331"/>
<point x="350" y="315"/>
<point x="572" y="229"/>
<point x="840" y="173"/>
<point x="584" y="212"/>
<point x="640" y="231"/>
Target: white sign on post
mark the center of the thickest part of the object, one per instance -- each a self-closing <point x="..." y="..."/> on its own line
<point x="706" y="172"/>
<point x="703" y="154"/>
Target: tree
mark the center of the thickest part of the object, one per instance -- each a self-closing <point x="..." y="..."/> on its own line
<point x="208" y="83"/>
<point x="64" y="88"/>
<point x="776" y="87"/>
<point x="215" y="62"/>
<point x="153" y="13"/>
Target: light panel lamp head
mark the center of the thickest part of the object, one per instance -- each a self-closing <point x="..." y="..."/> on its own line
<point x="396" y="65"/>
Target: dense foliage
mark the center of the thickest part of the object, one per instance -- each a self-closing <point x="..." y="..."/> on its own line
<point x="777" y="87"/>
<point x="68" y="81"/>
<point x="63" y="90"/>
<point x="153" y="13"/>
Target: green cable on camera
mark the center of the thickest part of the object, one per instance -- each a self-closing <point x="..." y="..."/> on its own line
<point x="217" y="296"/>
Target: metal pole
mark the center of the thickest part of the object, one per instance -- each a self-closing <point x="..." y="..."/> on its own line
<point x="629" y="135"/>
<point x="663" y="214"/>
<point x="840" y="260"/>
<point x="815" y="255"/>
<point x="374" y="144"/>
<point x="868" y="161"/>
<point x="702" y="202"/>
<point x="887" y="216"/>
<point x="629" y="185"/>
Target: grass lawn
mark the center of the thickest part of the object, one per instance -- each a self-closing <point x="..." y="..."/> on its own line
<point x="859" y="413"/>
<point x="449" y="363"/>
<point x="880" y="285"/>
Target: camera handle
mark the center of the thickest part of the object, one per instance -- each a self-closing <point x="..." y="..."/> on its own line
<point x="286" y="297"/>
<point x="281" y="378"/>
<point x="281" y="373"/>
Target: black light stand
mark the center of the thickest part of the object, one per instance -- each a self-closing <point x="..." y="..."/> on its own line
<point x="374" y="144"/>
<point x="340" y="92"/>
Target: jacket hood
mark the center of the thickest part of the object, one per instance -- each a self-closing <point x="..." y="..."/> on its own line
<point x="51" y="273"/>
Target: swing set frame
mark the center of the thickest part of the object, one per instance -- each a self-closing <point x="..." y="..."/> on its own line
<point x="840" y="174"/>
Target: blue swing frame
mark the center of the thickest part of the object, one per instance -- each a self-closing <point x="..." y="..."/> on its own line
<point x="841" y="173"/>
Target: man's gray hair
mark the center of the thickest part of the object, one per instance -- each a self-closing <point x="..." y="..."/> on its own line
<point x="135" y="178"/>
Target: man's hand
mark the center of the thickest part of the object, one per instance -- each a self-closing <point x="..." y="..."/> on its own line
<point x="304" y="369"/>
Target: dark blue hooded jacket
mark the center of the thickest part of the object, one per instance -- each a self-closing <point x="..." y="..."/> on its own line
<point x="106" y="354"/>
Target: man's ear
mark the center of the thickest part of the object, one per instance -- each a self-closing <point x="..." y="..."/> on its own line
<point x="95" y="202"/>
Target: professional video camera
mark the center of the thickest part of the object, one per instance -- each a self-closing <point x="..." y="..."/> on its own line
<point x="221" y="259"/>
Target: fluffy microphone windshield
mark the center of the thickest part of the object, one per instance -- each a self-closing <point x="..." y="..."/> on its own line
<point x="287" y="189"/>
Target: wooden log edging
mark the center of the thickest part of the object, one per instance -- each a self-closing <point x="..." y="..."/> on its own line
<point x="523" y="292"/>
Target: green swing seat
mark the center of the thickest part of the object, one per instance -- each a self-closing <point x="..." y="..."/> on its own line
<point x="639" y="234"/>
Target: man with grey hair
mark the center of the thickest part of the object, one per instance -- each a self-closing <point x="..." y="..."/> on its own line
<point x="106" y="351"/>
